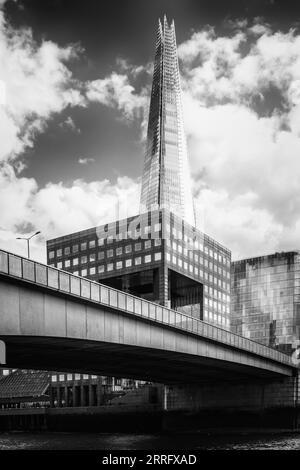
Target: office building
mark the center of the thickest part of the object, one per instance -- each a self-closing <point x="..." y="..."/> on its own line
<point x="265" y="299"/>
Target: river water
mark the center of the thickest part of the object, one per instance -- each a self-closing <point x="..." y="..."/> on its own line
<point x="86" y="441"/>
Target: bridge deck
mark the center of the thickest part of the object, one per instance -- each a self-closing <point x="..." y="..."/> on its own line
<point x="64" y="283"/>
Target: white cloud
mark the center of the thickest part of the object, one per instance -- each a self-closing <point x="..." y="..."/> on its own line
<point x="35" y="84"/>
<point x="115" y="91"/>
<point x="70" y="124"/>
<point x="57" y="209"/>
<point x="85" y="161"/>
<point x="245" y="161"/>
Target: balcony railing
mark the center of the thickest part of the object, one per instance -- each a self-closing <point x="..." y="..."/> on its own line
<point x="43" y="275"/>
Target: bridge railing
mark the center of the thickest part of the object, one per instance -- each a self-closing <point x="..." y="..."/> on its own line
<point x="65" y="282"/>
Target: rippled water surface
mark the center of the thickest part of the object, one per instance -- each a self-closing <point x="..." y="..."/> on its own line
<point x="85" y="441"/>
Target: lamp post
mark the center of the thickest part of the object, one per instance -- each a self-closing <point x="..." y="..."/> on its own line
<point x="28" y="240"/>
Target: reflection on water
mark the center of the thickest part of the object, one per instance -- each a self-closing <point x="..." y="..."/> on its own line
<point x="85" y="441"/>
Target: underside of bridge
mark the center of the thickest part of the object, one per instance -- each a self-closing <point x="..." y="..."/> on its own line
<point x="101" y="358"/>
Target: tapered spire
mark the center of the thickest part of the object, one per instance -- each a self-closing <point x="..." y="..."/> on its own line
<point x="166" y="178"/>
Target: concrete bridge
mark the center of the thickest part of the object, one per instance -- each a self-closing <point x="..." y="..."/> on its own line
<point x="53" y="320"/>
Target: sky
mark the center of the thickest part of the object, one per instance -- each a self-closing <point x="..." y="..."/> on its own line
<point x="75" y="81"/>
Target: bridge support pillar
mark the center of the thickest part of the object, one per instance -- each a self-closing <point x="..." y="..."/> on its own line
<point x="250" y="404"/>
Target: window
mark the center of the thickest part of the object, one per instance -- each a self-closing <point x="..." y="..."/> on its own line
<point x="83" y="272"/>
<point x="93" y="270"/>
<point x="100" y="241"/>
<point x="128" y="263"/>
<point x="67" y="250"/>
<point x="76" y="273"/>
<point x="110" y="266"/>
<point x="101" y="268"/>
<point x="110" y="239"/>
<point x="101" y="255"/>
<point x="67" y="263"/>
<point x="174" y="259"/>
<point x="75" y="248"/>
<point x="85" y="377"/>
<point x="180" y="262"/>
<point x="92" y="244"/>
<point x="168" y="257"/>
<point x="53" y="378"/>
<point x="110" y="253"/>
<point x="69" y="376"/>
<point x="92" y="257"/>
<point x="119" y="251"/>
<point x="119" y="264"/>
<point x="59" y="265"/>
<point x="157" y="256"/>
<point x="128" y="249"/>
<point x="62" y="377"/>
<point x="157" y="227"/>
<point x="83" y="259"/>
<point x="147" y="229"/>
<point x="137" y="246"/>
<point x="157" y="241"/>
<point x="51" y="254"/>
<point x="77" y="376"/>
<point x="147" y="244"/>
<point x="75" y="261"/>
<point x="59" y="253"/>
<point x="137" y="260"/>
<point x="185" y="265"/>
<point x="83" y="246"/>
<point x="148" y="259"/>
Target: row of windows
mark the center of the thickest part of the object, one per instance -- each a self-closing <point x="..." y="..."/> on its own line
<point x="191" y="269"/>
<point x="119" y="251"/>
<point x="128" y="263"/>
<point x="68" y="377"/>
<point x="215" y="318"/>
<point x="216" y="293"/>
<point x="200" y="260"/>
<point x="192" y="245"/>
<point x="218" y="306"/>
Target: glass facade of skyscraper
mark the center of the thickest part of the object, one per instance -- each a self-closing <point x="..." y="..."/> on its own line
<point x="166" y="177"/>
<point x="265" y="299"/>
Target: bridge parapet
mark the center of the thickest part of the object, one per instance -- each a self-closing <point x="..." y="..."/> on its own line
<point x="32" y="272"/>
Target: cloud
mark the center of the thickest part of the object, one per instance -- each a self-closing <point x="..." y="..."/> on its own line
<point x="242" y="118"/>
<point x="57" y="209"/>
<point x="85" y="161"/>
<point x="69" y="124"/>
<point x="115" y="91"/>
<point x="35" y="84"/>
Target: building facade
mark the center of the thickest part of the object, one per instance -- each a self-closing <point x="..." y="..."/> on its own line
<point x="156" y="256"/>
<point x="265" y="299"/>
<point x="166" y="176"/>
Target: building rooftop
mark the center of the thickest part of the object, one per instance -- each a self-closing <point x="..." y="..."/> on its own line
<point x="24" y="384"/>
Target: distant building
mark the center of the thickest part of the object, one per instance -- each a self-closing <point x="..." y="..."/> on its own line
<point x="265" y="299"/>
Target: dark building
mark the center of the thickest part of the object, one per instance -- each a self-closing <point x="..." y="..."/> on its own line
<point x="265" y="299"/>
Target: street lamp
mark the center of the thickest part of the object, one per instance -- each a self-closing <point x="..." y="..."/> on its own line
<point x="28" y="240"/>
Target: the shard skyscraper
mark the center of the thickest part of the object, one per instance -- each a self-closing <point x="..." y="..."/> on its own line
<point x="166" y="177"/>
